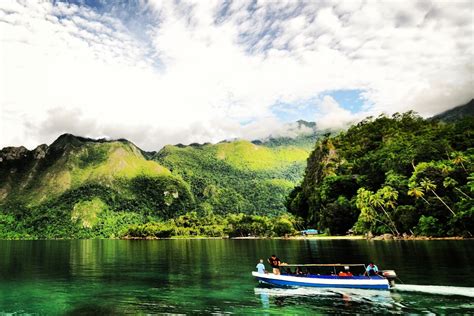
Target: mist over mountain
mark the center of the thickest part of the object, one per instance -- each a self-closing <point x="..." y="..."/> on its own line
<point x="456" y="113"/>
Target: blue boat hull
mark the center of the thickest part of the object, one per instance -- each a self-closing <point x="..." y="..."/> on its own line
<point x="357" y="282"/>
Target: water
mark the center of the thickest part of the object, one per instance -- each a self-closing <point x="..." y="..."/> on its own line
<point x="213" y="276"/>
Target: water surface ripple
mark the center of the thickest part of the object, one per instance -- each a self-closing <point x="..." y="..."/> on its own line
<point x="213" y="277"/>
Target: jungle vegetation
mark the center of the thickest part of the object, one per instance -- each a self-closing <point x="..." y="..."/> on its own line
<point x="399" y="175"/>
<point x="85" y="188"/>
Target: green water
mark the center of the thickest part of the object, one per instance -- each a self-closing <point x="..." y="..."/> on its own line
<point x="213" y="276"/>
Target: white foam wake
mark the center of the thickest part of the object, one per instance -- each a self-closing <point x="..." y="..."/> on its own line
<point x="437" y="289"/>
<point x="355" y="294"/>
<point x="301" y="291"/>
<point x="376" y="297"/>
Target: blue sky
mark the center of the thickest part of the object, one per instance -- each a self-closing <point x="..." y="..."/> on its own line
<point x="351" y="100"/>
<point x="160" y="72"/>
<point x="309" y="109"/>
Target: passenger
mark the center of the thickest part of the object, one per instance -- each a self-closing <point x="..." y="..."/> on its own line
<point x="346" y="272"/>
<point x="261" y="267"/>
<point x="371" y="270"/>
<point x="299" y="271"/>
<point x="275" y="263"/>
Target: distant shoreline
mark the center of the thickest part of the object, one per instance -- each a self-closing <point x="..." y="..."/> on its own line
<point x="352" y="237"/>
<point x="356" y="237"/>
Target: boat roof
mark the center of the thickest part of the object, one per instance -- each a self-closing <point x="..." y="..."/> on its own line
<point x="324" y="265"/>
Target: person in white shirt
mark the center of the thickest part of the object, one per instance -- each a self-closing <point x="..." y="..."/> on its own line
<point x="261" y="267"/>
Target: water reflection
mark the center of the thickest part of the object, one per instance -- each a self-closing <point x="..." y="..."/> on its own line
<point x="326" y="300"/>
<point x="213" y="276"/>
<point x="406" y="298"/>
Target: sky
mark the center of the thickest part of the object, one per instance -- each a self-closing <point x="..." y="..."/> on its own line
<point x="168" y="72"/>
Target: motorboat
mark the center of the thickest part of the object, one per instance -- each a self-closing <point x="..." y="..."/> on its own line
<point x="328" y="275"/>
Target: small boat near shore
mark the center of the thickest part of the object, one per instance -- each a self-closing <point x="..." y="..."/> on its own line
<point x="327" y="275"/>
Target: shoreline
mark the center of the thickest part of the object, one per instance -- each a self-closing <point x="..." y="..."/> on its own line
<point x="356" y="237"/>
<point x="352" y="237"/>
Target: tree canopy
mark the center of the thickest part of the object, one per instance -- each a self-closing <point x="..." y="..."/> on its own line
<point x="399" y="174"/>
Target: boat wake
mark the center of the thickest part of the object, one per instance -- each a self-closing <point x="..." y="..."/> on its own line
<point x="436" y="289"/>
<point x="374" y="297"/>
<point x="292" y="291"/>
<point x="403" y="298"/>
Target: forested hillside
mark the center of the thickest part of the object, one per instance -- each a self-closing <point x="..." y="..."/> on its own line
<point x="399" y="174"/>
<point x="237" y="176"/>
<point x="81" y="188"/>
<point x="456" y="113"/>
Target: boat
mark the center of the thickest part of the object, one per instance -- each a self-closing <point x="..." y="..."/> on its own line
<point x="327" y="275"/>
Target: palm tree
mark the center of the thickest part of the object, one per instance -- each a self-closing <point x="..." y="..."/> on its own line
<point x="418" y="192"/>
<point x="429" y="185"/>
<point x="383" y="198"/>
<point x="367" y="211"/>
<point x="459" y="159"/>
<point x="450" y="182"/>
<point x="470" y="182"/>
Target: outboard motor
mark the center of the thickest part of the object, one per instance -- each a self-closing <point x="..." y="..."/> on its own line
<point x="390" y="275"/>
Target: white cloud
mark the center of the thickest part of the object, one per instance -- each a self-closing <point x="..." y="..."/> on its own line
<point x="332" y="116"/>
<point x="192" y="70"/>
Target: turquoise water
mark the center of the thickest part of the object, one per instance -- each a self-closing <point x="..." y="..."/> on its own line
<point x="213" y="276"/>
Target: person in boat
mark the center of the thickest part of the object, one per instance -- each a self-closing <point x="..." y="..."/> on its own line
<point x="346" y="272"/>
<point x="275" y="264"/>
<point x="371" y="269"/>
<point x="287" y="270"/>
<point x="260" y="267"/>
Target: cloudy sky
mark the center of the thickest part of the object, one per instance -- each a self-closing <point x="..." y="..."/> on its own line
<point x="159" y="72"/>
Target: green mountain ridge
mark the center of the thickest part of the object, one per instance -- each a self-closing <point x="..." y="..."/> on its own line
<point x="68" y="163"/>
<point x="76" y="186"/>
<point x="76" y="183"/>
<point x="79" y="187"/>
<point x="400" y="175"/>
<point x="237" y="176"/>
<point x="456" y="113"/>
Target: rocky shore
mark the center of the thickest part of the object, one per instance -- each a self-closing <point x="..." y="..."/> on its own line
<point x="409" y="237"/>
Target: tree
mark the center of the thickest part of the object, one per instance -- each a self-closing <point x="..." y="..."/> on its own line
<point x="429" y="185"/>
<point x="368" y="202"/>
<point x="470" y="182"/>
<point x="417" y="192"/>
<point x="428" y="226"/>
<point x="385" y="198"/>
<point x="450" y="182"/>
<point x="338" y="216"/>
<point x="458" y="158"/>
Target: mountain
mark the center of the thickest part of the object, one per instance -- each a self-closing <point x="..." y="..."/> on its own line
<point x="242" y="176"/>
<point x="76" y="185"/>
<point x="68" y="163"/>
<point x="237" y="176"/>
<point x="399" y="174"/>
<point x="456" y="113"/>
<point x="301" y="134"/>
<point x="79" y="186"/>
